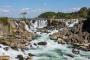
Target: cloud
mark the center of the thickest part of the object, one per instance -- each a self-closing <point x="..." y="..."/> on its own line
<point x="39" y="10"/>
<point x="4" y="10"/>
<point x="75" y="9"/>
<point x="31" y="12"/>
<point x="71" y="9"/>
<point x="7" y="10"/>
<point x="25" y="10"/>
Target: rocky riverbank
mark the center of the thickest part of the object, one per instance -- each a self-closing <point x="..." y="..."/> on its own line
<point x="77" y="35"/>
<point x="17" y="37"/>
<point x="14" y="34"/>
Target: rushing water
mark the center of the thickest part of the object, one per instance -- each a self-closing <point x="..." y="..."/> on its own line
<point x="54" y="51"/>
<point x="38" y="24"/>
<point x="51" y="51"/>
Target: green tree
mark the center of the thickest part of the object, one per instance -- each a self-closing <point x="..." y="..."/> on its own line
<point x="60" y="15"/>
<point x="4" y="20"/>
<point x="83" y="12"/>
<point x="47" y="15"/>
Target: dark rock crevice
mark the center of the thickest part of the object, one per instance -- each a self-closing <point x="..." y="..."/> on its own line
<point x="86" y="26"/>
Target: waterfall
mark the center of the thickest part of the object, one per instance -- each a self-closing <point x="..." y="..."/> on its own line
<point x="27" y="28"/>
<point x="39" y="24"/>
<point x="72" y="22"/>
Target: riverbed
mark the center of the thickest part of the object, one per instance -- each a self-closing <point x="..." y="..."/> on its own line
<point x="54" y="51"/>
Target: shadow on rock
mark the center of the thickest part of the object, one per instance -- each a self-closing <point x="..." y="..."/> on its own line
<point x="86" y="25"/>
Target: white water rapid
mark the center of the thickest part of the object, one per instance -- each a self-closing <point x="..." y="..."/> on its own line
<point x="39" y="24"/>
<point x="54" y="51"/>
<point x="51" y="51"/>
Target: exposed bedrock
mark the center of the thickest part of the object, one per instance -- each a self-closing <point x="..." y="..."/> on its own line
<point x="78" y="35"/>
<point x="15" y="34"/>
<point x="55" y="24"/>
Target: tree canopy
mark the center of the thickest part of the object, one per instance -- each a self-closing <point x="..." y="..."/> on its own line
<point x="47" y="15"/>
<point x="82" y="13"/>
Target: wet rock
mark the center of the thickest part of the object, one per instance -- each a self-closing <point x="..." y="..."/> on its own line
<point x="75" y="51"/>
<point x="30" y="54"/>
<point x="53" y="37"/>
<point x="35" y="44"/>
<point x="42" y="43"/>
<point x="0" y="46"/>
<point x="23" y="49"/>
<point x="31" y="45"/>
<point x="70" y="55"/>
<point x="15" y="48"/>
<point x="83" y="48"/>
<point x="76" y="36"/>
<point x="6" y="48"/>
<point x="61" y="41"/>
<point x="88" y="47"/>
<point x="29" y="58"/>
<point x="20" y="57"/>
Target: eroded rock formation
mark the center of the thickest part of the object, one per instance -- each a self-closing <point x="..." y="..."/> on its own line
<point x="14" y="34"/>
<point x="79" y="35"/>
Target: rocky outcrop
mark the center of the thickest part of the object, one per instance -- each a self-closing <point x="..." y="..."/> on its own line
<point x="55" y="25"/>
<point x="14" y="34"/>
<point x="76" y="35"/>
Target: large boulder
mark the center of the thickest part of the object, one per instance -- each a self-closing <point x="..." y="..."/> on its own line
<point x="42" y="43"/>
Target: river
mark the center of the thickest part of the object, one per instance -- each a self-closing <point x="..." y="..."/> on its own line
<point x="54" y="51"/>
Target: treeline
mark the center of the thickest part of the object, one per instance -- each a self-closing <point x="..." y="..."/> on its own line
<point x="82" y="13"/>
<point x="4" y="20"/>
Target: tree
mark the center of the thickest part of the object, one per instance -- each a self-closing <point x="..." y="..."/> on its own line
<point x="24" y="15"/>
<point x="4" y="20"/>
<point x="88" y="14"/>
<point x="83" y="12"/>
<point x="47" y="15"/>
<point x="86" y="24"/>
<point x="60" y="15"/>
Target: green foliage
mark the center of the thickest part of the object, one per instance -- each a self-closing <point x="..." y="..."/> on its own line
<point x="5" y="24"/>
<point x="48" y="15"/>
<point x="60" y="15"/>
<point x="82" y="13"/>
<point x="4" y="20"/>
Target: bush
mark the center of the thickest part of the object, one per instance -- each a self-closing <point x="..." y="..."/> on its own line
<point x="4" y="20"/>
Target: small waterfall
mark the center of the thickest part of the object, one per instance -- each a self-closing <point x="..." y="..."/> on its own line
<point x="27" y="28"/>
<point x="71" y="23"/>
<point x="39" y="24"/>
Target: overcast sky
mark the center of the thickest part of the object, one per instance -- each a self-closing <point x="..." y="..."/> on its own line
<point x="13" y="8"/>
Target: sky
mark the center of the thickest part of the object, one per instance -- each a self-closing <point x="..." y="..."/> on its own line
<point x="14" y="8"/>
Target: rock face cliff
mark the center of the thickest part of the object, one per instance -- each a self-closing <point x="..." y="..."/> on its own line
<point x="78" y="35"/>
<point x="14" y="33"/>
